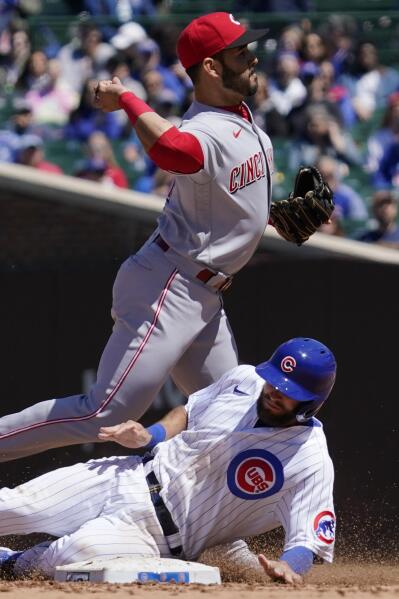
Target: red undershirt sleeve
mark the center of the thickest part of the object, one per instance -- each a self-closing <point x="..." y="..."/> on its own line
<point x="174" y="150"/>
<point x="178" y="151"/>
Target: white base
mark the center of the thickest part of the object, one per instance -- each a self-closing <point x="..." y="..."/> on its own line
<point x="139" y="569"/>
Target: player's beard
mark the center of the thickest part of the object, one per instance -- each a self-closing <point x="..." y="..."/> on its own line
<point x="237" y="83"/>
<point x="269" y="418"/>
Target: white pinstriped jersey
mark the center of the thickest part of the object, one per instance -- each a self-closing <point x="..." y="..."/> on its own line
<point x="217" y="216"/>
<point x="222" y="479"/>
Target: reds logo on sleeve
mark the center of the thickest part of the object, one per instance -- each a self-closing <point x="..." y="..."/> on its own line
<point x="255" y="474"/>
<point x="247" y="172"/>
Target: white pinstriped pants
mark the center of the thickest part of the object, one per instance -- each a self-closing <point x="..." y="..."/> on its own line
<point x="98" y="508"/>
<point x="166" y="322"/>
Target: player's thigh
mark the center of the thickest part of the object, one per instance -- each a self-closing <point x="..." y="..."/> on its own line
<point x="59" y="501"/>
<point x="139" y="294"/>
<point x="109" y="536"/>
<point x="212" y="353"/>
<point x="182" y="311"/>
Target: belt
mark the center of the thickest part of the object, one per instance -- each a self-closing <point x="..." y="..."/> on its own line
<point x="205" y="275"/>
<point x="169" y="528"/>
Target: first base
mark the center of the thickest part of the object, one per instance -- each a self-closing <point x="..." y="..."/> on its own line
<point x="140" y="569"/>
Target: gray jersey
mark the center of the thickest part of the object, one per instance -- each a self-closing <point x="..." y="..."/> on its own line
<point x="223" y="479"/>
<point x="163" y="311"/>
<point x="217" y="215"/>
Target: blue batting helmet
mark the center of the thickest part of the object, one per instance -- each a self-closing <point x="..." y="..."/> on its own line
<point x="303" y="369"/>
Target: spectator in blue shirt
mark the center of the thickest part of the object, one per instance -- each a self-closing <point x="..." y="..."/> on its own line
<point x="121" y="10"/>
<point x="384" y="230"/>
<point x="378" y="143"/>
<point x="348" y="203"/>
<point x="370" y="83"/>
<point x="322" y="135"/>
<point x="149" y="55"/>
<point x="86" y="119"/>
<point x="19" y="124"/>
<point x="383" y="149"/>
<point x="387" y="174"/>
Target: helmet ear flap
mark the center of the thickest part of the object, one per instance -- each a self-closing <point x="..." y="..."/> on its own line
<point x="307" y="410"/>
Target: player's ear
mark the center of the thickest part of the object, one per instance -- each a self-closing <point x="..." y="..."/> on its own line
<point x="211" y="67"/>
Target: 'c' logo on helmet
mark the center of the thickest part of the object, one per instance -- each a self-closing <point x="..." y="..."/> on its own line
<point x="232" y="19"/>
<point x="288" y="364"/>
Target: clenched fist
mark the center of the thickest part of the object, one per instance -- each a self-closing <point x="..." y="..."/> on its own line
<point x="106" y="94"/>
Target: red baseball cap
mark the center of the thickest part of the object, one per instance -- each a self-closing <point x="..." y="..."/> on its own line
<point x="208" y="35"/>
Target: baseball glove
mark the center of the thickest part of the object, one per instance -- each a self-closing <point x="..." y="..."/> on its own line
<point x="307" y="207"/>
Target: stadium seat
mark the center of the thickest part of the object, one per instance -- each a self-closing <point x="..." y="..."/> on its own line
<point x="198" y="7"/>
<point x="64" y="153"/>
<point x="354" y="5"/>
<point x="56" y="7"/>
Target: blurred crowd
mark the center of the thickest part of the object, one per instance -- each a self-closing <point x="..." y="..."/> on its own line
<point x="317" y="86"/>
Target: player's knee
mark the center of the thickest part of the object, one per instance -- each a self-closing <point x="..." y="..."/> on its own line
<point x="90" y="404"/>
<point x="100" y="411"/>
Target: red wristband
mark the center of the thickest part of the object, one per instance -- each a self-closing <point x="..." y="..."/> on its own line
<point x="133" y="106"/>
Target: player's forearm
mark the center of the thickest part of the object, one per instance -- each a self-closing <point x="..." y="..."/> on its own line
<point x="170" y="425"/>
<point x="239" y="554"/>
<point x="150" y="127"/>
<point x="169" y="148"/>
<point x="235" y="556"/>
<point x="174" y="422"/>
<point x="133" y="434"/>
<point x="148" y="124"/>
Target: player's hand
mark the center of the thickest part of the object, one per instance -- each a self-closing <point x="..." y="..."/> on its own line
<point x="106" y="94"/>
<point x="129" y="434"/>
<point x="279" y="570"/>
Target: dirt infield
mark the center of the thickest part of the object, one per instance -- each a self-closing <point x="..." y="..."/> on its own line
<point x="352" y="581"/>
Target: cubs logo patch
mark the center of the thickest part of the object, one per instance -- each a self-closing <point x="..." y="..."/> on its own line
<point x="288" y="364"/>
<point x="324" y="527"/>
<point x="255" y="474"/>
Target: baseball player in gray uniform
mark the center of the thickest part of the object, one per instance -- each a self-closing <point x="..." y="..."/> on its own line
<point x="167" y="303"/>
<point x="244" y="456"/>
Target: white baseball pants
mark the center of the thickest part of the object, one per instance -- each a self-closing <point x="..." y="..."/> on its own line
<point x="99" y="508"/>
